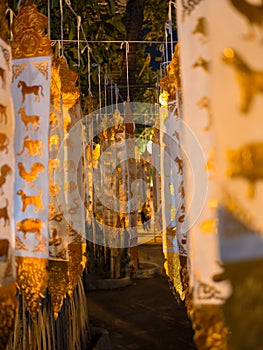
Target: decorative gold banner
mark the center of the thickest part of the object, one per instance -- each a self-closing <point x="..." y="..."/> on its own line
<point x="237" y="102"/>
<point x="8" y="304"/>
<point x="31" y="95"/>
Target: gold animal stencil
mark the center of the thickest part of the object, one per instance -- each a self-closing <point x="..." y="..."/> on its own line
<point x="202" y="63"/>
<point x="35" y="89"/>
<point x="33" y="147"/>
<point x="180" y="165"/>
<point x="2" y="76"/>
<point x="74" y="209"/>
<point x="55" y="239"/>
<point x="4" y="142"/>
<point x="3" y="115"/>
<point x="204" y="103"/>
<point x="53" y="141"/>
<point x="30" y="225"/>
<point x="4" y="213"/>
<point x="250" y="80"/>
<point x="32" y="175"/>
<point x="4" y="249"/>
<point x="247" y="163"/>
<point x="181" y="190"/>
<point x="211" y="164"/>
<point x="4" y="171"/>
<point x="69" y="165"/>
<point x="54" y="121"/>
<point x="53" y="164"/>
<point x="31" y="200"/>
<point x="253" y="14"/>
<point x="54" y="189"/>
<point x="201" y="29"/>
<point x="70" y="186"/>
<point x="29" y="119"/>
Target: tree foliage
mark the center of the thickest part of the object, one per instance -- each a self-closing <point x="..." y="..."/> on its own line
<point x="101" y="23"/>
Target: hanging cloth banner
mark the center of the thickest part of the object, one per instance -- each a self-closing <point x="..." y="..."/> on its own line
<point x="31" y="95"/>
<point x="174" y="240"/>
<point x="237" y="102"/>
<point x="67" y="207"/>
<point x="201" y="189"/>
<point x="8" y="301"/>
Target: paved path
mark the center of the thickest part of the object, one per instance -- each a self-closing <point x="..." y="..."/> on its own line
<point x="143" y="316"/>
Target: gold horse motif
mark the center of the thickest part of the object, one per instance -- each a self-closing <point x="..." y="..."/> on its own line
<point x="34" y="89"/>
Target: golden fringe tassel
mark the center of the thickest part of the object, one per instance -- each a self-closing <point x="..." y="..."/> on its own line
<point x="32" y="281"/>
<point x="57" y="283"/>
<point x="69" y="331"/>
<point x="8" y="309"/>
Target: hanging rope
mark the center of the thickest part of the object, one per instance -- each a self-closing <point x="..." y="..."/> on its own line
<point x="116" y="95"/>
<point x="48" y="16"/>
<point x="78" y="27"/>
<point x="61" y="28"/>
<point x="127" y="49"/>
<point x="99" y="88"/>
<point x="170" y="27"/>
<point x="11" y="18"/>
<point x="127" y="70"/>
<point x="111" y="96"/>
<point x="105" y="89"/>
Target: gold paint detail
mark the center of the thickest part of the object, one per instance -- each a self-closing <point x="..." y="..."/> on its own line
<point x="58" y="281"/>
<point x="172" y="267"/>
<point x="29" y="38"/>
<point x="32" y="175"/>
<point x="211" y="164"/>
<point x="42" y="67"/>
<point x="201" y="29"/>
<point x="77" y="262"/>
<point x="250" y="80"/>
<point x="246" y="163"/>
<point x="254" y="17"/>
<point x="209" y="226"/>
<point x="17" y="69"/>
<point x="172" y="81"/>
<point x="202" y="63"/>
<point x="8" y="311"/>
<point x="32" y="281"/>
<point x="209" y="326"/>
<point x="204" y="103"/>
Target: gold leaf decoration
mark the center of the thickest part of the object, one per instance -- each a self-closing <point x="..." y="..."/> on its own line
<point x="3" y="22"/>
<point x="76" y="264"/>
<point x="246" y="163"/>
<point x="210" y="329"/>
<point x="172" y="80"/>
<point x="29" y="38"/>
<point x="31" y="281"/>
<point x="42" y="67"/>
<point x="57" y="283"/>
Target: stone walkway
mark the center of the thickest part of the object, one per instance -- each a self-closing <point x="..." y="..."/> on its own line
<point x="143" y="316"/>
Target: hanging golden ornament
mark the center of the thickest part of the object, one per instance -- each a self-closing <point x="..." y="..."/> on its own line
<point x="30" y="39"/>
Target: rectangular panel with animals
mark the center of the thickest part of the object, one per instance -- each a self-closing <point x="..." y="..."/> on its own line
<point x="7" y="264"/>
<point x="31" y="93"/>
